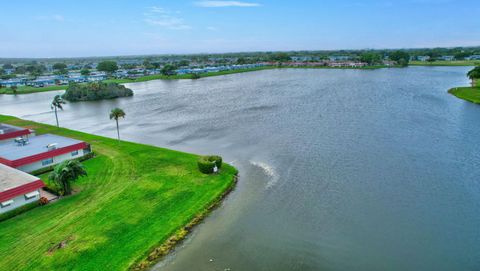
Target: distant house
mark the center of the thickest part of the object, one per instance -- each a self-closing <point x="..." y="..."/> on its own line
<point x="9" y="133"/>
<point x="13" y="82"/>
<point x="41" y="151"/>
<point x="17" y="188"/>
<point x="447" y="58"/>
<point x="423" y="58"/>
<point x="339" y="58"/>
<point x="473" y="57"/>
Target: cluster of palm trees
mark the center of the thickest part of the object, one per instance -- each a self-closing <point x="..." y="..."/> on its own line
<point x="69" y="171"/>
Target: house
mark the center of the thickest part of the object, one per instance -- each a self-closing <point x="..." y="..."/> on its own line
<point x="447" y="58"/>
<point x="41" y="151"/>
<point x="473" y="57"/>
<point x="17" y="188"/>
<point x="339" y="58"/>
<point x="10" y="133"/>
<point x="423" y="58"/>
<point x="12" y="82"/>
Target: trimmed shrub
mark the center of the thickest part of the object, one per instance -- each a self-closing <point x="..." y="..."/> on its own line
<point x="43" y="201"/>
<point x="207" y="163"/>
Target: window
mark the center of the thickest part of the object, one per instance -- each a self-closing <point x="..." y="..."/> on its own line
<point x="31" y="195"/>
<point x="74" y="153"/>
<point x="47" y="162"/>
<point x="6" y="203"/>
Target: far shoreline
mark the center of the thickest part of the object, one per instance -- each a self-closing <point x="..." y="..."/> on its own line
<point x="30" y="90"/>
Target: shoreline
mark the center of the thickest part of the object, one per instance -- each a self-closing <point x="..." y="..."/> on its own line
<point x="30" y="90"/>
<point x="168" y="217"/>
<point x="158" y="253"/>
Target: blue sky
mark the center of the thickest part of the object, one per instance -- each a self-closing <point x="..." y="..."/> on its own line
<point x="49" y="28"/>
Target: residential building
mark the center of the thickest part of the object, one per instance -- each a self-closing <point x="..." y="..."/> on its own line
<point x="10" y="133"/>
<point x="41" y="152"/>
<point x="17" y="188"/>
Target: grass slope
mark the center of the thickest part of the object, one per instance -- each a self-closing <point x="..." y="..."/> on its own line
<point x="134" y="198"/>
<point x="471" y="94"/>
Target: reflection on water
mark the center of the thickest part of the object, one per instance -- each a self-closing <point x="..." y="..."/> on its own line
<point x="340" y="169"/>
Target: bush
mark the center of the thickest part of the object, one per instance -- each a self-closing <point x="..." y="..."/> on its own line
<point x="95" y="91"/>
<point x="207" y="163"/>
<point x="43" y="201"/>
<point x="19" y="210"/>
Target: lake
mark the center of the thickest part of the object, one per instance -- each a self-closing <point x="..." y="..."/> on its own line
<point x="339" y="169"/>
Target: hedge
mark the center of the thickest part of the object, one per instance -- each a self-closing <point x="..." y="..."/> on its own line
<point x="207" y="163"/>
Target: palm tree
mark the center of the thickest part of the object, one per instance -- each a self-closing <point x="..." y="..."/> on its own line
<point x="67" y="172"/>
<point x="474" y="75"/>
<point x="57" y="104"/>
<point x="117" y="113"/>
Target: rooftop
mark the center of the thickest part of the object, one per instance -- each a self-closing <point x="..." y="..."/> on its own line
<point x="11" y="178"/>
<point x="9" y="128"/>
<point x="36" y="145"/>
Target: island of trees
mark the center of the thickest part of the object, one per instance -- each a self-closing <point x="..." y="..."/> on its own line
<point x="95" y="91"/>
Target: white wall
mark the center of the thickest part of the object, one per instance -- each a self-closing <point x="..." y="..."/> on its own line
<point x="19" y="201"/>
<point x="56" y="160"/>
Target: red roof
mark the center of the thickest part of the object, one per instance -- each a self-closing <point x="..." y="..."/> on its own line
<point x="42" y="156"/>
<point x="20" y="190"/>
<point x="14" y="134"/>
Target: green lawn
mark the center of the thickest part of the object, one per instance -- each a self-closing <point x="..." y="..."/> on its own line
<point x="28" y="89"/>
<point x="134" y="198"/>
<point x="471" y="94"/>
<point x="446" y="63"/>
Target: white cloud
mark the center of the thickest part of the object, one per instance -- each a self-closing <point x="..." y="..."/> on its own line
<point x="222" y="4"/>
<point x="162" y="17"/>
<point x="212" y="28"/>
<point x="55" y="17"/>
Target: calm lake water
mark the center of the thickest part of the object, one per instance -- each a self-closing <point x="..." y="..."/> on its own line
<point x="340" y="169"/>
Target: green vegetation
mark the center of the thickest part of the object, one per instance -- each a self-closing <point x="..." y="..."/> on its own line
<point x="107" y="66"/>
<point x="65" y="173"/>
<point x="133" y="200"/>
<point x="474" y="75"/>
<point x="471" y="94"/>
<point x="446" y="63"/>
<point x="115" y="114"/>
<point x="28" y="89"/>
<point x="18" y="211"/>
<point x="206" y="164"/>
<point x="95" y="91"/>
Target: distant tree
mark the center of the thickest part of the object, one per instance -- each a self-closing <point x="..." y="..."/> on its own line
<point x="8" y="66"/>
<point x="115" y="114"/>
<point x="59" y="66"/>
<point x="401" y="57"/>
<point x="183" y="63"/>
<point x="474" y="75"/>
<point x="241" y="61"/>
<point x="128" y="66"/>
<point x="371" y="58"/>
<point x="85" y="72"/>
<point x="61" y="72"/>
<point x="14" y="89"/>
<point x="168" y="70"/>
<point x="57" y="104"/>
<point x="66" y="173"/>
<point x="2" y="72"/>
<point x="107" y="66"/>
<point x="20" y="70"/>
<point x="280" y="57"/>
<point x="196" y="76"/>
